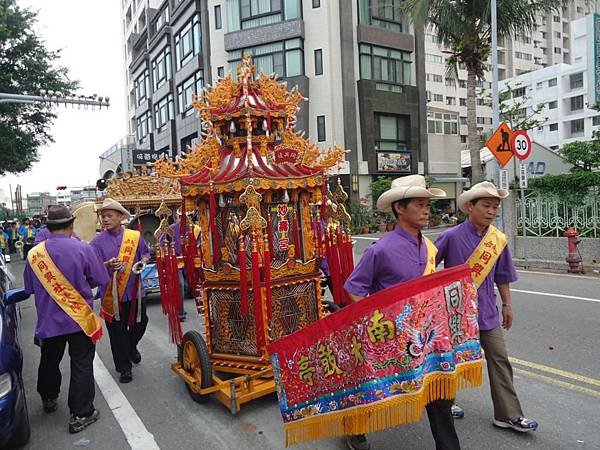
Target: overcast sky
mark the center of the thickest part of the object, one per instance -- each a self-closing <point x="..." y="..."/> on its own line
<point x="89" y="34"/>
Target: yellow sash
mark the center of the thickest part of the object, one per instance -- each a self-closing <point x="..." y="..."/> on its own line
<point x="486" y="254"/>
<point x="431" y="252"/>
<point x="63" y="292"/>
<point x="2" y="240"/>
<point x="110" y="304"/>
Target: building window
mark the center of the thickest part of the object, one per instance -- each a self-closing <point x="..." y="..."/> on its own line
<point x="161" y="19"/>
<point x="539" y="85"/>
<point x="557" y="50"/>
<point x="161" y="68"/>
<point x="519" y="92"/>
<point x="481" y="121"/>
<point x="481" y="101"/>
<point x="144" y="125"/>
<point x="596" y="120"/>
<point x="463" y="120"/>
<point x="462" y="101"/>
<point x="552" y="82"/>
<point x="553" y="127"/>
<point x="285" y="58"/>
<point x="247" y="14"/>
<point x="553" y="104"/>
<point x="523" y="56"/>
<point x="576" y="80"/>
<point x="188" y="42"/>
<point x="577" y="126"/>
<point x="434" y="58"/>
<point x="321" y="135"/>
<point x="382" y="14"/>
<point x="451" y="101"/>
<point x="577" y="103"/>
<point x="556" y="19"/>
<point x="163" y="112"/>
<point x="435" y="78"/>
<point x="385" y="65"/>
<point x="142" y="87"/>
<point x="391" y="146"/>
<point x="186" y="90"/>
<point x="319" y="62"/>
<point x="220" y="71"/>
<point x="438" y="98"/>
<point x="218" y="19"/>
<point x="440" y="123"/>
<point x="316" y="3"/>
<point x="462" y="84"/>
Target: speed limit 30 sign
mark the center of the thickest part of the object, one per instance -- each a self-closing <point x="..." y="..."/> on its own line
<point x="521" y="144"/>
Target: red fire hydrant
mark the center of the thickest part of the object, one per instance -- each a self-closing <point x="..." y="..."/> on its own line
<point x="573" y="259"/>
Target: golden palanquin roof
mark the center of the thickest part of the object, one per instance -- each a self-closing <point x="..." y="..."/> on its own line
<point x="249" y="138"/>
<point x="133" y="190"/>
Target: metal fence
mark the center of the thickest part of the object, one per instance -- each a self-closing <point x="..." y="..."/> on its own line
<point x="551" y="216"/>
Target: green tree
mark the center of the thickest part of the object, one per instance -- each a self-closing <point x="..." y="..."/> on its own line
<point x="26" y="66"/>
<point x="464" y="27"/>
<point x="379" y="186"/>
<point x="583" y="155"/>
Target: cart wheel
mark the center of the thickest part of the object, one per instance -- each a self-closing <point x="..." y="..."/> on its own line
<point x="195" y="360"/>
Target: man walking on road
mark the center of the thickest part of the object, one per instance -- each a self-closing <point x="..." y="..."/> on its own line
<point x="481" y="245"/>
<point x="400" y="256"/>
<point x="61" y="273"/>
<point x="123" y="307"/>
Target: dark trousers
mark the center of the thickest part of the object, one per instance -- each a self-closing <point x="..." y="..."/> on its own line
<point x="442" y="425"/>
<point x="81" y="386"/>
<point x="26" y="248"/>
<point x="124" y="338"/>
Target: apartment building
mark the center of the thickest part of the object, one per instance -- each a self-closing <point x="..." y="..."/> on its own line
<point x="357" y="65"/>
<point x="566" y="90"/>
<point x="547" y="45"/>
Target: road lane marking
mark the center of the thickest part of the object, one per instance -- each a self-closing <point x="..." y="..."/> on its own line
<point x="554" y="381"/>
<point x="552" y="370"/>
<point x="565" y="275"/>
<point x="138" y="437"/>
<point x="363" y="238"/>
<point x="548" y="294"/>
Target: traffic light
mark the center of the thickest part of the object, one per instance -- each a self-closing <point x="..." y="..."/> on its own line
<point x="61" y="188"/>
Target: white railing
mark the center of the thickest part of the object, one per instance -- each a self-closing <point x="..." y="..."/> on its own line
<point x="551" y="216"/>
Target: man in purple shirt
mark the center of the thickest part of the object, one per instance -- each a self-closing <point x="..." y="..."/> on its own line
<point x="455" y="246"/>
<point x="124" y="337"/>
<point x="400" y="256"/>
<point x="80" y="265"/>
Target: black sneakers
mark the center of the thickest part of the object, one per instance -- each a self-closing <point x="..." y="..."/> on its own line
<point x="125" y="377"/>
<point x="76" y="424"/>
<point x="50" y="405"/>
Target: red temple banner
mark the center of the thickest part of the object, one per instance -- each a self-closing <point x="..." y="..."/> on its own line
<point x="375" y="364"/>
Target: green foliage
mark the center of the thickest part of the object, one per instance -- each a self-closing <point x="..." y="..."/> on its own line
<point x="571" y="187"/>
<point x="583" y="155"/>
<point x="361" y="216"/>
<point x="26" y="66"/>
<point x="379" y="186"/>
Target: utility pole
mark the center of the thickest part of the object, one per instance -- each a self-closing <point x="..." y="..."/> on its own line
<point x="494" y="167"/>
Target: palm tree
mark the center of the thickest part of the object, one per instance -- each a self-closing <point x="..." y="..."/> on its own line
<point x="464" y="27"/>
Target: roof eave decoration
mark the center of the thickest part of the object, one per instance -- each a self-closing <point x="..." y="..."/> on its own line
<point x="248" y="132"/>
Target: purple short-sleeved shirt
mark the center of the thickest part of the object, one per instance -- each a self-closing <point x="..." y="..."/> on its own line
<point x="455" y="246"/>
<point x="78" y="262"/>
<point x="396" y="258"/>
<point x="45" y="233"/>
<point x="107" y="245"/>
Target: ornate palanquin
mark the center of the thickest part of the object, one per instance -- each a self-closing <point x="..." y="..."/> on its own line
<point x="259" y="191"/>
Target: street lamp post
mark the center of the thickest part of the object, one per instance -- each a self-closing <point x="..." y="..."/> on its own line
<point x="56" y="98"/>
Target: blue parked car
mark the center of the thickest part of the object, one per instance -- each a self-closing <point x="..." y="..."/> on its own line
<point x="14" y="420"/>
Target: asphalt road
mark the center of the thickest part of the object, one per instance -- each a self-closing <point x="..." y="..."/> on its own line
<point x="553" y="343"/>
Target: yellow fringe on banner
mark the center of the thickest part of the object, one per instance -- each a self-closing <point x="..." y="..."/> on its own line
<point x="387" y="413"/>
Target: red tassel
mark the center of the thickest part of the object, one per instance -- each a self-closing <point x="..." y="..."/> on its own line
<point x="174" y="298"/>
<point x="213" y="227"/>
<point x="267" y="268"/>
<point x="243" y="276"/>
<point x="162" y="280"/>
<point x="256" y="288"/>
<point x="270" y="229"/>
<point x="296" y="235"/>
